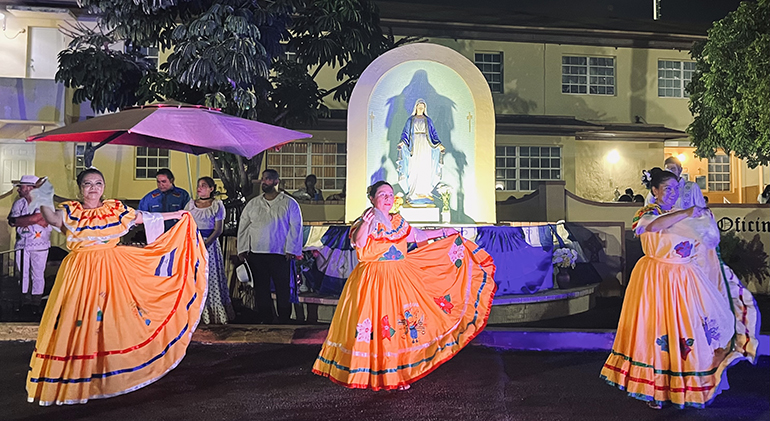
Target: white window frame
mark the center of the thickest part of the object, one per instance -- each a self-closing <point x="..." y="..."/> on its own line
<point x="326" y="160"/>
<point x="514" y="166"/>
<point x="155" y="159"/>
<point x="79" y="151"/>
<point x="673" y="77"/>
<point x="718" y="179"/>
<point x="151" y="53"/>
<point x="588" y="75"/>
<point x="490" y="63"/>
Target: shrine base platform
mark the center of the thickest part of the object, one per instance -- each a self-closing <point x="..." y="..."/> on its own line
<point x="506" y="309"/>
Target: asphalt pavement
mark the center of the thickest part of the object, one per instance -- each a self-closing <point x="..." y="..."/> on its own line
<point x="274" y="382"/>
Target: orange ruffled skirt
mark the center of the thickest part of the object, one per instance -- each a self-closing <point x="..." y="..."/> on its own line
<point x="118" y="318"/>
<point x="396" y="321"/>
<point x="664" y="351"/>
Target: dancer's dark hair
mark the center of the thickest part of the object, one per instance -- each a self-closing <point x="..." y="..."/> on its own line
<point x="209" y="182"/>
<point x="372" y="190"/>
<point x="656" y="176"/>
<point x="87" y="171"/>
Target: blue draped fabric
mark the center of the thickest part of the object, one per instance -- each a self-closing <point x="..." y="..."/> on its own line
<point x="335" y="238"/>
<point x="521" y="268"/>
<point x="337" y="253"/>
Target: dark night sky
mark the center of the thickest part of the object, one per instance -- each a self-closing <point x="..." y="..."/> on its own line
<point x="699" y="12"/>
<point x="691" y="11"/>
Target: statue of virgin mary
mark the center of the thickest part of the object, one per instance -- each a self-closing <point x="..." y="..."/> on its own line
<point x="420" y="157"/>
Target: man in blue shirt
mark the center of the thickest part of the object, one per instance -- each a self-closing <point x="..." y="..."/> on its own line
<point x="166" y="198"/>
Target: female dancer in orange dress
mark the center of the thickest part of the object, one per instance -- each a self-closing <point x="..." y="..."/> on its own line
<point x="118" y="317"/>
<point x="402" y="314"/>
<point x="681" y="325"/>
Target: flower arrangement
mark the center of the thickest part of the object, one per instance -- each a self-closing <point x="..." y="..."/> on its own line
<point x="446" y="194"/>
<point x="564" y="257"/>
<point x="398" y="203"/>
<point x="646" y="179"/>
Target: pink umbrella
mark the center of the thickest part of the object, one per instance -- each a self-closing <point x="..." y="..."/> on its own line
<point x="182" y="127"/>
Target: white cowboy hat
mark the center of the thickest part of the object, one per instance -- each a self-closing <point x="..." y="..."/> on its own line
<point x="243" y="273"/>
<point x="27" y="180"/>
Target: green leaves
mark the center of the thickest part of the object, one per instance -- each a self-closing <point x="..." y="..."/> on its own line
<point x="226" y="54"/>
<point x="730" y="92"/>
<point x="109" y="79"/>
<point x="746" y="258"/>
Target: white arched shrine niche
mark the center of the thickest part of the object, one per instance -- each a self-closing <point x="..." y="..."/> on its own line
<point x="458" y="102"/>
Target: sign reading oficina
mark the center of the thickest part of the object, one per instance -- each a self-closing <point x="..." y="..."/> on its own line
<point x="739" y="224"/>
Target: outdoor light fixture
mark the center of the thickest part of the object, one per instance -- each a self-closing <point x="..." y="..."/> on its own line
<point x="682" y="157"/>
<point x="4" y="21"/>
<point x="613" y="157"/>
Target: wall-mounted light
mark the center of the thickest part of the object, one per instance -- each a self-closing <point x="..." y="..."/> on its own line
<point x="613" y="157"/>
<point x="682" y="157"/>
<point x="3" y="23"/>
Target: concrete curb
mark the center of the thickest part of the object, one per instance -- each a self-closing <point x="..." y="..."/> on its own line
<point x="512" y="339"/>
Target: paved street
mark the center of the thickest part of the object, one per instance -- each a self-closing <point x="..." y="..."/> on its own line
<point x="274" y="382"/>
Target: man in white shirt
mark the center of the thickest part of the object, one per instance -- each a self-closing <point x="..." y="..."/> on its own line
<point x="33" y="239"/>
<point x="269" y="239"/>
<point x="689" y="192"/>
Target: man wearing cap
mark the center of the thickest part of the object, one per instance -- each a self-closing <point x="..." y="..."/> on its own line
<point x="33" y="239"/>
<point x="166" y="198"/>
<point x="269" y="238"/>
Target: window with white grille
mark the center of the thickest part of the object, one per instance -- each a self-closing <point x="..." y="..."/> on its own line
<point x="719" y="173"/>
<point x="522" y="168"/>
<point x="151" y="54"/>
<point x="296" y="160"/>
<point x="80" y="160"/>
<point x="491" y="66"/>
<point x="673" y="77"/>
<point x="149" y="161"/>
<point x="588" y="75"/>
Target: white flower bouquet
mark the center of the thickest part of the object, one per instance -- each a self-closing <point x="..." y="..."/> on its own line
<point x="564" y="258"/>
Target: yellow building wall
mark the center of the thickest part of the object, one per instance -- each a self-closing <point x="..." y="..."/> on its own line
<point x="567" y="144"/>
<point x="532" y="82"/>
<point x="57" y="160"/>
<point x="596" y="177"/>
<point x="532" y="85"/>
<point x="636" y="88"/>
<point x="13" y="46"/>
